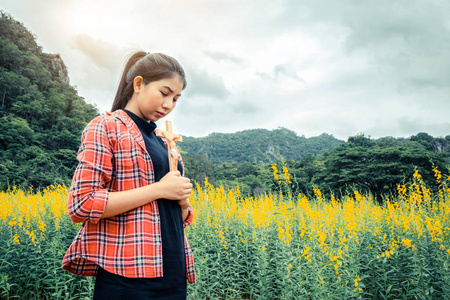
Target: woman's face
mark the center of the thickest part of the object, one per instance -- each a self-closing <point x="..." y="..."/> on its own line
<point x="157" y="99"/>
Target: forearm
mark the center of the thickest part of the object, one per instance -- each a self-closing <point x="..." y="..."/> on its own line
<point x="172" y="186"/>
<point x="120" y="202"/>
<point x="185" y="213"/>
<point x="184" y="204"/>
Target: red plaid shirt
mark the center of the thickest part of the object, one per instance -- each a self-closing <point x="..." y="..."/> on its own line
<point x="113" y="157"/>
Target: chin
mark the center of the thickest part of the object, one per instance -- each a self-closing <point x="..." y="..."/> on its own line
<point x="148" y="118"/>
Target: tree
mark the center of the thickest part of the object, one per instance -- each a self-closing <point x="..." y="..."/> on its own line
<point x="197" y="168"/>
<point x="15" y="131"/>
<point x="377" y="166"/>
<point x="41" y="115"/>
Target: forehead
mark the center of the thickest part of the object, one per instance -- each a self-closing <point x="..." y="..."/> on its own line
<point x="174" y="83"/>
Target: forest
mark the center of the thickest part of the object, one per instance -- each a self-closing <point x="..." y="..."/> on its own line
<point x="42" y="117"/>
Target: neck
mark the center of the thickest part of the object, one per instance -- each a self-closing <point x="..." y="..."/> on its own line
<point x="132" y="106"/>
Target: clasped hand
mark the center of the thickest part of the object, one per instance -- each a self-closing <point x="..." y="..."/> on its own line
<point x="176" y="187"/>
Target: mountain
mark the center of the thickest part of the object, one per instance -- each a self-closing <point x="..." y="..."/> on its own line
<point x="257" y="146"/>
<point x="41" y="114"/>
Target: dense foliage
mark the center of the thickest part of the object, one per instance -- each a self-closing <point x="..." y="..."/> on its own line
<point x="41" y="114"/>
<point x="378" y="166"/>
<point x="372" y="165"/>
<point x="276" y="246"/>
<point x="42" y="117"/>
<point x="257" y="146"/>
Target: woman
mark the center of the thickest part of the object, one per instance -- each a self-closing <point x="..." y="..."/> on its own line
<point x="132" y="208"/>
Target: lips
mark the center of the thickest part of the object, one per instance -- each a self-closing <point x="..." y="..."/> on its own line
<point x="160" y="114"/>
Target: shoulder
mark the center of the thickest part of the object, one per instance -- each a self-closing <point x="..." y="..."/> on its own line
<point x="106" y="118"/>
<point x="108" y="121"/>
<point x="105" y="129"/>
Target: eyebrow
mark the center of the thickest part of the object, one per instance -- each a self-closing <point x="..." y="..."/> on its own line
<point x="168" y="87"/>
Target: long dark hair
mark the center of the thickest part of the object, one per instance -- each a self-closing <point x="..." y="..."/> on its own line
<point x="152" y="67"/>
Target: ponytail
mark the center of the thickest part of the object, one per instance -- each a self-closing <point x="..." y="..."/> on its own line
<point x="125" y="89"/>
<point x="151" y="67"/>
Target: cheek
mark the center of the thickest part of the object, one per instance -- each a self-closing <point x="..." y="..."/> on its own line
<point x="148" y="100"/>
<point x="142" y="103"/>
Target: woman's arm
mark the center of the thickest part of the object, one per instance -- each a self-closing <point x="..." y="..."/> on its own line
<point x="172" y="186"/>
<point x="184" y="204"/>
<point x="88" y="194"/>
<point x="89" y="198"/>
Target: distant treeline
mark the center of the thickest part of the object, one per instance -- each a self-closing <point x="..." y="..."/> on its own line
<point x="370" y="165"/>
<point x="42" y="117"/>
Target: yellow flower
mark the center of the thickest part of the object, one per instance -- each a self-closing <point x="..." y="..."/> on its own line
<point x="306" y="251"/>
<point x="287" y="176"/>
<point x="356" y="281"/>
<point x="275" y="171"/>
<point x="16" y="239"/>
<point x="406" y="242"/>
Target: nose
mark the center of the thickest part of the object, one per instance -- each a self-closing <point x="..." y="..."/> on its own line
<point x="168" y="104"/>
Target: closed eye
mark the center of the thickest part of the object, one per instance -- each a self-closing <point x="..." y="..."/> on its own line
<point x="164" y="94"/>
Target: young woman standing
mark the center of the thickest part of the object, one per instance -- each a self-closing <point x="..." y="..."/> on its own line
<point x="133" y="209"/>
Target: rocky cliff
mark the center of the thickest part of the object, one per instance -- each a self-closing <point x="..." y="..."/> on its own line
<point x="58" y="68"/>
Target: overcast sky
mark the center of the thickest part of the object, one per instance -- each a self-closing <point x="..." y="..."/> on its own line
<point x="342" y="67"/>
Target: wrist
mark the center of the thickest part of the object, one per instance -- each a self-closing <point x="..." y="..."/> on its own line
<point x="184" y="204"/>
<point x="158" y="190"/>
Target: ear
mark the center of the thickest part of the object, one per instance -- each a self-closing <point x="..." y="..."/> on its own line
<point x="138" y="84"/>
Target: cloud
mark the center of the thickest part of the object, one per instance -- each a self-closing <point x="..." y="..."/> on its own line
<point x="97" y="69"/>
<point x="411" y="44"/>
<point x="223" y="56"/>
<point x="406" y="41"/>
<point x="287" y="71"/>
<point x="201" y="83"/>
<point x="281" y="70"/>
<point x="407" y="124"/>
<point x="103" y="54"/>
<point x="245" y="108"/>
<point x="342" y="67"/>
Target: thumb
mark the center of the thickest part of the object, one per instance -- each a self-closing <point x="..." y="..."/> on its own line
<point x="176" y="173"/>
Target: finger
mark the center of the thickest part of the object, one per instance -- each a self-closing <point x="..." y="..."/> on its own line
<point x="188" y="191"/>
<point x="184" y="201"/>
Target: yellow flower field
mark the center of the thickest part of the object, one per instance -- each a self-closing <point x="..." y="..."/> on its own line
<point x="269" y="247"/>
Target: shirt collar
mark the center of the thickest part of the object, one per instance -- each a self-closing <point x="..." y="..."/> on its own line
<point x="144" y="126"/>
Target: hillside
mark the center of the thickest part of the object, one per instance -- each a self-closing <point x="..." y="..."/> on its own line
<point x="42" y="115"/>
<point x="257" y="146"/>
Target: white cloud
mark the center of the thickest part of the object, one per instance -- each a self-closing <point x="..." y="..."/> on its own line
<point x="341" y="67"/>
